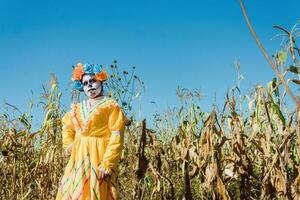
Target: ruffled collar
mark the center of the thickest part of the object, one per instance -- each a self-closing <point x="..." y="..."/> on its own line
<point x="87" y="108"/>
<point x="86" y="113"/>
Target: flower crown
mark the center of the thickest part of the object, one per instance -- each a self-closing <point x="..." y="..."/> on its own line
<point x="81" y="70"/>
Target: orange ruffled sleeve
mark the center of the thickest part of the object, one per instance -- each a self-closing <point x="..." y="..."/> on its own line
<point x="116" y="124"/>
<point x="68" y="131"/>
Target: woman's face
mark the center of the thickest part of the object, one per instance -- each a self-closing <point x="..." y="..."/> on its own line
<point x="92" y="87"/>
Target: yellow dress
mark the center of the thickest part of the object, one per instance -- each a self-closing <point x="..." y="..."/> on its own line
<point x="96" y="135"/>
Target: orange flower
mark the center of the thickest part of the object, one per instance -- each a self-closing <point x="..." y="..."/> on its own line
<point x="78" y="72"/>
<point x="101" y="76"/>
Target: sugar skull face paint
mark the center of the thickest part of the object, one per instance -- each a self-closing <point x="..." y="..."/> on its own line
<point x="91" y="86"/>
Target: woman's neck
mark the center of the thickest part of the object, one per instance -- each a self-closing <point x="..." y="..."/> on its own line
<point x="93" y="100"/>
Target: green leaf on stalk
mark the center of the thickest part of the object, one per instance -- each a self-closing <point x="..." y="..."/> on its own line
<point x="281" y="57"/>
<point x="277" y="111"/>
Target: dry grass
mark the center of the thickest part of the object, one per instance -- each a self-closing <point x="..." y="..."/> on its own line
<point x="240" y="152"/>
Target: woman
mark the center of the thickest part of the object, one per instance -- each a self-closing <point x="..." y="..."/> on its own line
<point x="92" y="134"/>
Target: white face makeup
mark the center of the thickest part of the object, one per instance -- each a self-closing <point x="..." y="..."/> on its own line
<point x="92" y="87"/>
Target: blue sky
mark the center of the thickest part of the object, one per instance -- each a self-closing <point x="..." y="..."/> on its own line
<point x="191" y="44"/>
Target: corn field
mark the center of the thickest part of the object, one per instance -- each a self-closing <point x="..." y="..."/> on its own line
<point x="249" y="149"/>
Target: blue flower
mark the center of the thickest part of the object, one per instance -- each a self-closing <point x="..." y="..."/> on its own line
<point x="78" y="85"/>
<point x="88" y="69"/>
<point x="97" y="69"/>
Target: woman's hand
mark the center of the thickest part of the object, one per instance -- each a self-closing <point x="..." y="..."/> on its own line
<point x="102" y="173"/>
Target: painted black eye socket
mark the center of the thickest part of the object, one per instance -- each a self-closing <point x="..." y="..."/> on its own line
<point x="91" y="81"/>
<point x="84" y="83"/>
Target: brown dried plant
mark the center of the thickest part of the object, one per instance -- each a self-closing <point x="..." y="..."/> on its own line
<point x="248" y="150"/>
